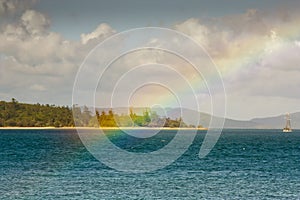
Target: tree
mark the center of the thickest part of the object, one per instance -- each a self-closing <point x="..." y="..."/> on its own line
<point x="147" y="118"/>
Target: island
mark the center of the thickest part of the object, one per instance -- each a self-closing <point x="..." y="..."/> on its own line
<point x="16" y="114"/>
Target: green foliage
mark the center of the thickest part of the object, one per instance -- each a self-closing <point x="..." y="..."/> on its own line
<point x="148" y="119"/>
<point x="106" y="120"/>
<point x="34" y="115"/>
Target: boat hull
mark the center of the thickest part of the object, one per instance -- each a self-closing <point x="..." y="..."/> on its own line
<point x="287" y="130"/>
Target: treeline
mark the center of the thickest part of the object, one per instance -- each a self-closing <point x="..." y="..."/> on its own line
<point x="34" y="115"/>
<point x="111" y="119"/>
<point x="15" y="114"/>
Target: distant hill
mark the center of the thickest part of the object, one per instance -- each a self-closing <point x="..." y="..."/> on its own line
<point x="190" y="116"/>
<point x="277" y="122"/>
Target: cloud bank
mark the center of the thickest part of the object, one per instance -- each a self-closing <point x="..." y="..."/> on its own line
<point x="257" y="53"/>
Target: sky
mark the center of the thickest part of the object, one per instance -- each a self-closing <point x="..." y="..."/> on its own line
<point x="254" y="45"/>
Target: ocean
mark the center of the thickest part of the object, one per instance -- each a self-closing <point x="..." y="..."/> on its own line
<point x="244" y="164"/>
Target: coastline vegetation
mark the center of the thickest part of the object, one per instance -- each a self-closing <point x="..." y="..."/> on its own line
<point x="16" y="114"/>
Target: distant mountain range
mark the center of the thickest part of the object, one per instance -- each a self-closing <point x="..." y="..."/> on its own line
<point x="191" y="116"/>
<point x="276" y="122"/>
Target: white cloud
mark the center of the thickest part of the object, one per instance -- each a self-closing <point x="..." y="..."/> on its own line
<point x="101" y="32"/>
<point x="33" y="57"/>
<point x="193" y="27"/>
<point x="285" y="57"/>
<point x="297" y="43"/>
<point x="35" y="22"/>
<point x="258" y="55"/>
<point x="32" y="24"/>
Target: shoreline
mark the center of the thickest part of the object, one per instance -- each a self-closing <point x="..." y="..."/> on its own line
<point x="95" y="128"/>
<point x="122" y="128"/>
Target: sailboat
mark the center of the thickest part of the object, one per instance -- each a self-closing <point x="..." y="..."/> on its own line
<point x="287" y="128"/>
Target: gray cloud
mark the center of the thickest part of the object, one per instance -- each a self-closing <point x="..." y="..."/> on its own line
<point x="12" y="7"/>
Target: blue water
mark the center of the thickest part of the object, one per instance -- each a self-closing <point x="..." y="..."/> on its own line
<point x="244" y="164"/>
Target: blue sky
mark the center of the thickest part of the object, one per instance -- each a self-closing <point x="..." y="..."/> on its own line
<point x="72" y="17"/>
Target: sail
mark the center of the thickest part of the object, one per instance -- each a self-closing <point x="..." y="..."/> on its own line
<point x="287" y="127"/>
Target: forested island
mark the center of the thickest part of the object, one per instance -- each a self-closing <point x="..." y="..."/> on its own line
<point x="16" y="114"/>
